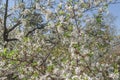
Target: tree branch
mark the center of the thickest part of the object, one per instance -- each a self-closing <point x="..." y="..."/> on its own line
<point x="5" y="33"/>
<point x="44" y="60"/>
<point x="29" y="32"/>
<point x="18" y="23"/>
<point x="13" y="39"/>
<point x="94" y="7"/>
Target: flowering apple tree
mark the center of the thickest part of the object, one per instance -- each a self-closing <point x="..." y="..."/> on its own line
<point x="57" y="40"/>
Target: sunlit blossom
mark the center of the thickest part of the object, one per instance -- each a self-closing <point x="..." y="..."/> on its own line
<point x="37" y="6"/>
<point x="26" y="12"/>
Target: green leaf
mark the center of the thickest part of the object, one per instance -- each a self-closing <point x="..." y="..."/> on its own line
<point x="4" y="52"/>
<point x="90" y="54"/>
<point x="26" y="39"/>
<point x="67" y="34"/>
<point x="39" y="49"/>
<point x="34" y="63"/>
<point x="35" y="74"/>
<point x="13" y="62"/>
<point x="99" y="18"/>
<point x="70" y="28"/>
<point x="75" y="45"/>
<point x="12" y="53"/>
<point x="15" y="19"/>
<point x="61" y="12"/>
<point x="50" y="68"/>
<point x="84" y="5"/>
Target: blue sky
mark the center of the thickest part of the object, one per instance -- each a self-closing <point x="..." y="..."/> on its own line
<point x="115" y="11"/>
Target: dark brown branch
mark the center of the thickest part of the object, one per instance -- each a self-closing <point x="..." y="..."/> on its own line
<point x="31" y="31"/>
<point x="5" y="33"/>
<point x="18" y="23"/>
<point x="5" y="16"/>
<point x="45" y="59"/>
<point x="8" y="40"/>
<point x="13" y="39"/>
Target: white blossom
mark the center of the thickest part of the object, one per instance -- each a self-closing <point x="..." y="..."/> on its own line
<point x="76" y="7"/>
<point x="60" y="4"/>
<point x="48" y="13"/>
<point x="37" y="6"/>
<point x="68" y="76"/>
<point x="61" y="18"/>
<point x="26" y="12"/>
<point x="2" y="63"/>
<point x="86" y="58"/>
<point x="115" y="76"/>
<point x="57" y="71"/>
<point x="59" y="29"/>
<point x="69" y="8"/>
<point x="77" y="70"/>
<point x="21" y="76"/>
<point x="75" y="77"/>
<point x="99" y="75"/>
<point x="24" y="22"/>
<point x="96" y="2"/>
<point x="100" y="9"/>
<point x="21" y="5"/>
<point x="81" y="1"/>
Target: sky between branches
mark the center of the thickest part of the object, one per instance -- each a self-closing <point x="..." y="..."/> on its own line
<point x="115" y="11"/>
